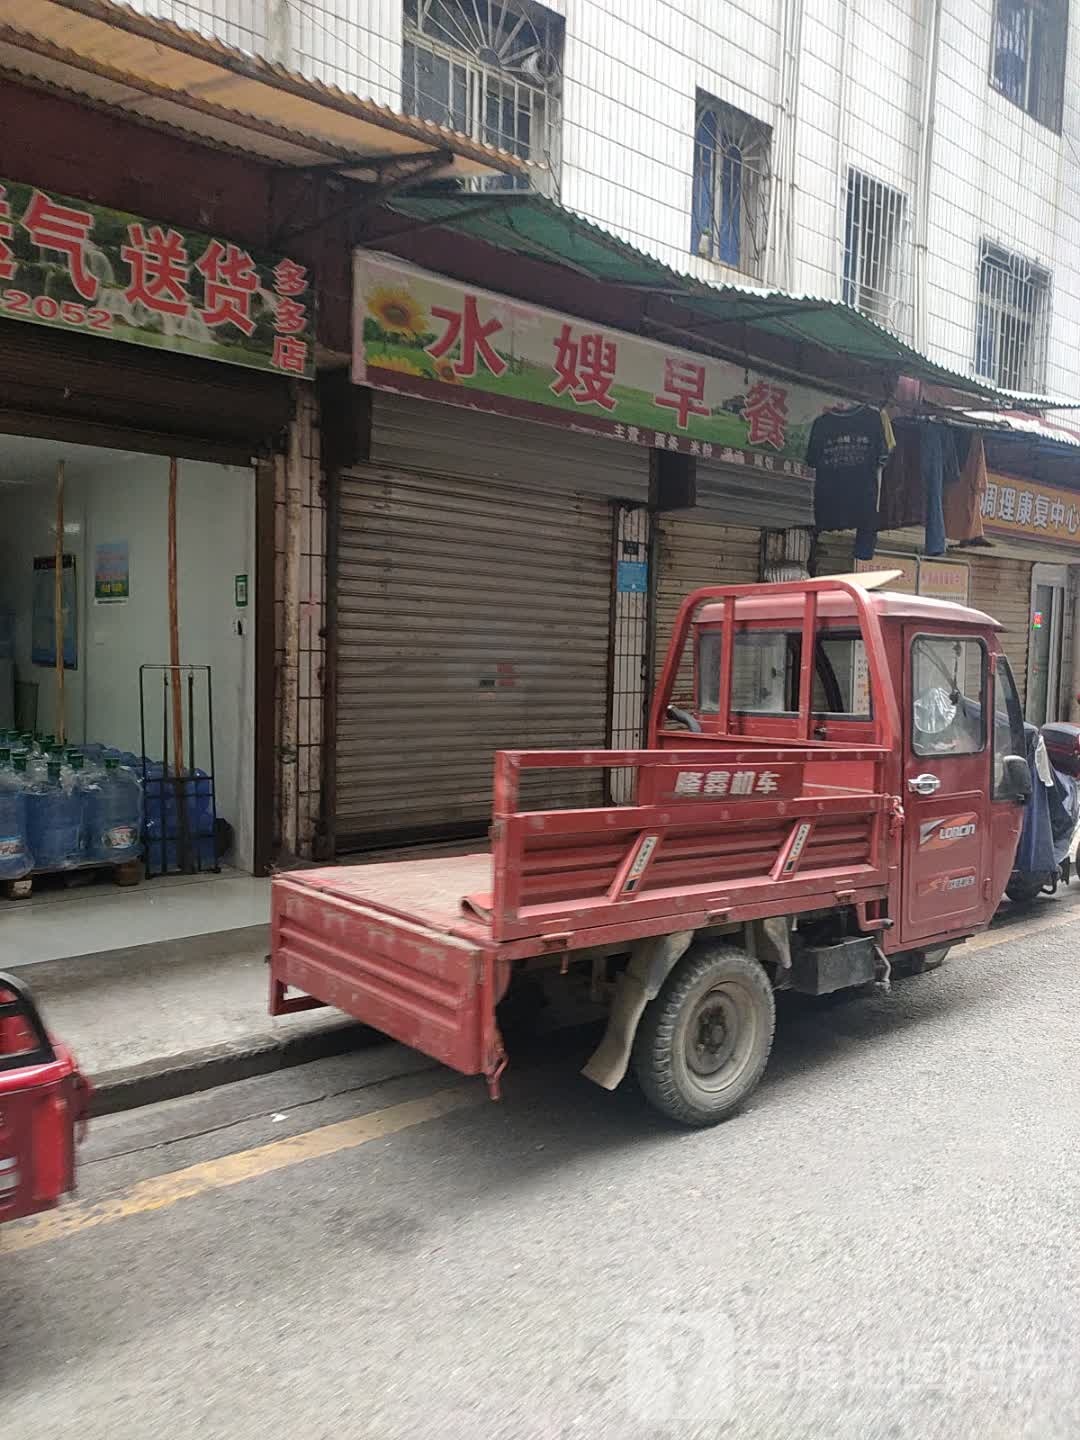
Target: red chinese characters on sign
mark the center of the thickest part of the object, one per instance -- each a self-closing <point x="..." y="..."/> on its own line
<point x="684" y="390"/>
<point x="8" y="263"/>
<point x="289" y="354"/>
<point x="584" y="368"/>
<point x="765" y="413"/>
<point x="231" y="281"/>
<point x="465" y="326"/>
<point x="159" y="265"/>
<point x="66" y="230"/>
<point x="290" y="317"/>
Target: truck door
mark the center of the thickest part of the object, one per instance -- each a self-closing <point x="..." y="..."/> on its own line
<point x="946" y="784"/>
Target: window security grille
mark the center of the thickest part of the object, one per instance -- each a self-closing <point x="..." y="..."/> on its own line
<point x="875" y="251"/>
<point x="732" y="178"/>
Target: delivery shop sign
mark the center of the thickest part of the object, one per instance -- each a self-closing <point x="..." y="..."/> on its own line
<point x="75" y="266"/>
<point x="423" y="334"/>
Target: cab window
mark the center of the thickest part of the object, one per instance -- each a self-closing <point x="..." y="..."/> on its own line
<point x="765" y="673"/>
<point x="948" y="679"/>
<point x="1008" y="725"/>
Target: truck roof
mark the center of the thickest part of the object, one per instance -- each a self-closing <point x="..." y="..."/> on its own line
<point x="834" y="605"/>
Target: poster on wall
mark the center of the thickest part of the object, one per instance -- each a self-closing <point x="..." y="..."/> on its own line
<point x="43" y="639"/>
<point x="112" y="573"/>
<point x="423" y="334"/>
<point x="922" y="575"/>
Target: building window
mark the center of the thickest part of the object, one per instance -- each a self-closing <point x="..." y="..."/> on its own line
<point x="1011" y="320"/>
<point x="875" y="251"/>
<point x="732" y="174"/>
<point x="490" y="69"/>
<point x="1028" y="56"/>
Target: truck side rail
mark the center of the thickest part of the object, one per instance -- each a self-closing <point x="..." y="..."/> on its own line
<point x="735" y="832"/>
<point x="885" y="715"/>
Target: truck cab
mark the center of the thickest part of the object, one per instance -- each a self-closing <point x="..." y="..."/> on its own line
<point x="924" y="678"/>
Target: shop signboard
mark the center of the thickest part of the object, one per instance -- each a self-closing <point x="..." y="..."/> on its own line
<point x="922" y="575"/>
<point x="79" y="267"/>
<point x="422" y="334"/>
<point x="1028" y="509"/>
<point x="944" y="579"/>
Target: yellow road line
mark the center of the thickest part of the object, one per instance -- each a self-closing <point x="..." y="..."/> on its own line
<point x="162" y="1191"/>
<point x="1057" y="913"/>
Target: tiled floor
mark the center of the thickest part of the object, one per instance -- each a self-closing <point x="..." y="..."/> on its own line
<point x="87" y="920"/>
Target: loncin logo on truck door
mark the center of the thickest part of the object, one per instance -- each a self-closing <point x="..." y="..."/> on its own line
<point x="940" y="834"/>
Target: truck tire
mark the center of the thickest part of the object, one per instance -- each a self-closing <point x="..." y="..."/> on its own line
<point x="703" y="1042"/>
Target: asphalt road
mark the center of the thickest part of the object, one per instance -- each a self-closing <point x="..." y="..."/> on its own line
<point x="883" y="1244"/>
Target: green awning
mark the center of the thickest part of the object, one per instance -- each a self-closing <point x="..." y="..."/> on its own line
<point x="529" y="225"/>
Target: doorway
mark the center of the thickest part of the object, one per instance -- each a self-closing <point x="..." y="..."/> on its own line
<point x="1049" y="594"/>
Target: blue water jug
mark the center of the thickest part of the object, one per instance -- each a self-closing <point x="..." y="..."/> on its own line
<point x="54" y="816"/>
<point x="16" y="859"/>
<point x="113" y="814"/>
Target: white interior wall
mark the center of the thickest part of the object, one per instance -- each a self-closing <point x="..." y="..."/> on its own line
<point x="110" y="496"/>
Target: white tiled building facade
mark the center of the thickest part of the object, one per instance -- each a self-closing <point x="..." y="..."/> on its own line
<point x="778" y="141"/>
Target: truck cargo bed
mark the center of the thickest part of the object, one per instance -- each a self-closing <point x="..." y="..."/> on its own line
<point x="389" y="944"/>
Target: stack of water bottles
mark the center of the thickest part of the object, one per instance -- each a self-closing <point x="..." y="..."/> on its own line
<point x="63" y="807"/>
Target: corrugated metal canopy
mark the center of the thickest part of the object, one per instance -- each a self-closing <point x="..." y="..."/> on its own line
<point x="176" y="78"/>
<point x="529" y="225"/>
<point x="1047" y="429"/>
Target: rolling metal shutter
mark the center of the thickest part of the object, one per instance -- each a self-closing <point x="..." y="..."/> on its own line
<point x="132" y="397"/>
<point x="757" y="499"/>
<point x="415" y="434"/>
<point x="691" y="552"/>
<point x="471" y="617"/>
<point x="1001" y="587"/>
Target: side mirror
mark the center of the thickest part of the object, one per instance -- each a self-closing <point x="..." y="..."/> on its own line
<point x="1016" y="778"/>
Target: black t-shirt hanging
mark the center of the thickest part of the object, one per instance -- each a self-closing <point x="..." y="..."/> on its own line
<point x="847" y="449"/>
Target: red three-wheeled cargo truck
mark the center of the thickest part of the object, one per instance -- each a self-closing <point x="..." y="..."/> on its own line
<point x="837" y="800"/>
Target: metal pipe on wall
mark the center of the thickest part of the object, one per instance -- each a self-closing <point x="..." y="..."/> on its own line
<point x="925" y="165"/>
<point x="843" y="110"/>
<point x="783" y="189"/>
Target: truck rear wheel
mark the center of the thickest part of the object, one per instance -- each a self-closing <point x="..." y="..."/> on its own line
<point x="703" y="1041"/>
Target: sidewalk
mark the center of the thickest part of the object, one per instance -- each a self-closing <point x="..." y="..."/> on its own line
<point x="183" y="1005"/>
<point x="153" y="1021"/>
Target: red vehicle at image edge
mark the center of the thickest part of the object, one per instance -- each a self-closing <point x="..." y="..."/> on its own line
<point x="839" y="802"/>
<point x="44" y="1102"/>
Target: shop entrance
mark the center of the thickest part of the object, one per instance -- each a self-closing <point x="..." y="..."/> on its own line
<point x="116" y="620"/>
<point x="1049" y="589"/>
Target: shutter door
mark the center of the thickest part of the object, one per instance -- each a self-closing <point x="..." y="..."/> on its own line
<point x="693" y="553"/>
<point x="471" y="617"/>
<point x="758" y="499"/>
<point x="134" y="397"/>
<point x="1001" y="587"/>
<point x="415" y="434"/>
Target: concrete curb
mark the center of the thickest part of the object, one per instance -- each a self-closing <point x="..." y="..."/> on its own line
<point x="171" y="1076"/>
